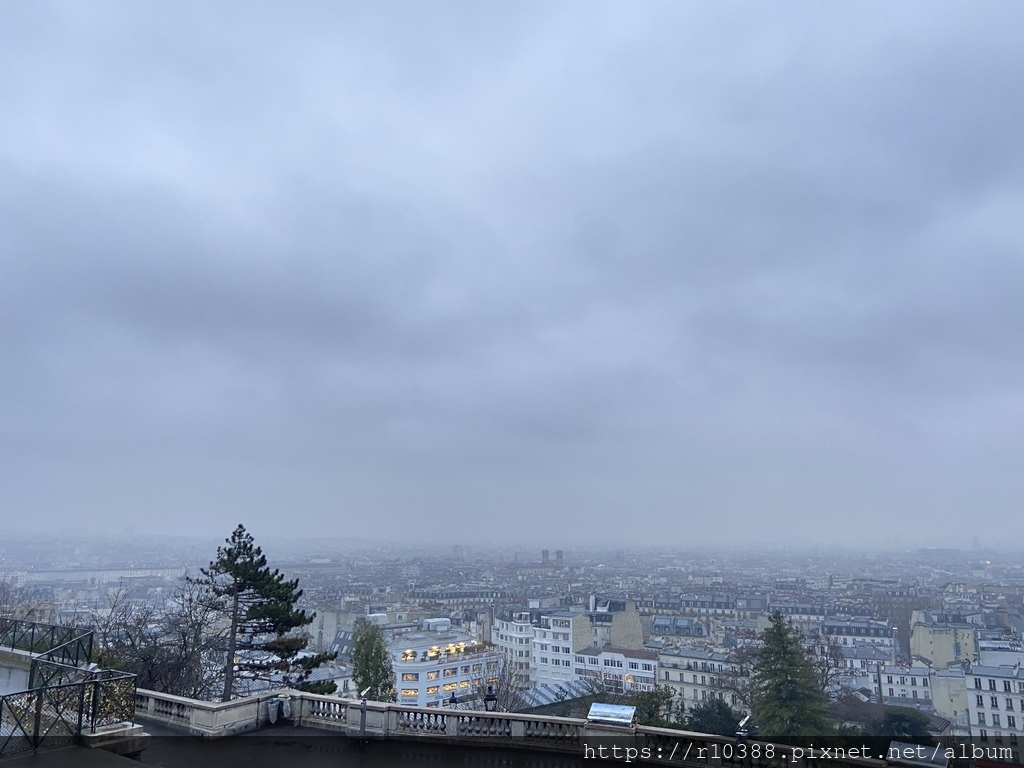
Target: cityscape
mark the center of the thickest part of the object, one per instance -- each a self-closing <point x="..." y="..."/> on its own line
<point x="550" y="631"/>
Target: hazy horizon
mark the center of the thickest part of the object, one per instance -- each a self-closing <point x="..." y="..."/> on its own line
<point x="719" y="274"/>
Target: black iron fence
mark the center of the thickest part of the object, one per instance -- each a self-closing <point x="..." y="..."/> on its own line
<point x="71" y="644"/>
<point x="57" y="715"/>
<point x="67" y="694"/>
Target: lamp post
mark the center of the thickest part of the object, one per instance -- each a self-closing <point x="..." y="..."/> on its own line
<point x="490" y="700"/>
<point x="453" y="702"/>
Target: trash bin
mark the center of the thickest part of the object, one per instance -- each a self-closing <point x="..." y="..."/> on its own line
<point x="272" y="706"/>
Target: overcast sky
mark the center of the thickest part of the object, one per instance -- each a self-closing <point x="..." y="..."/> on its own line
<point x="551" y="272"/>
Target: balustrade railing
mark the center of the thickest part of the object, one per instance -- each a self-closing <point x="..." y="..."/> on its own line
<point x="664" y="746"/>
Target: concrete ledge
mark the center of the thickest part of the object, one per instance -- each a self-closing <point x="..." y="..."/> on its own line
<point x="13" y="657"/>
<point x="123" y="739"/>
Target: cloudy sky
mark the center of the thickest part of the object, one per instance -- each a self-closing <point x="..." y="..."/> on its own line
<point x="551" y="272"/>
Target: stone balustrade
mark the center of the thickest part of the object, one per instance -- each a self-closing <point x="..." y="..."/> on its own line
<point x="664" y="746"/>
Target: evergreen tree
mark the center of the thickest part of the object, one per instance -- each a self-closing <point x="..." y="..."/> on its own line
<point x="789" y="704"/>
<point x="371" y="662"/>
<point x="260" y="607"/>
<point x="712" y="716"/>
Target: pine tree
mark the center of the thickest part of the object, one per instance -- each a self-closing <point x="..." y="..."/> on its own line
<point x="371" y="663"/>
<point x="260" y="606"/>
<point x="789" y="704"/>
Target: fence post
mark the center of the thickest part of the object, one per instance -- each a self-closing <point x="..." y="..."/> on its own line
<point x="95" y="703"/>
<point x="39" y="719"/>
<point x="81" y="711"/>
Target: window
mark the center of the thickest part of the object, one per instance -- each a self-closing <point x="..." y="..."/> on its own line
<point x="450" y="687"/>
<point x="995" y="721"/>
<point x="977" y="683"/>
<point x="1009" y="704"/>
<point x="543" y="659"/>
<point x="464" y="684"/>
<point x="913" y="681"/>
<point x="1011" y="721"/>
<point x="477" y="667"/>
<point x="890" y="692"/>
<point x="991" y="684"/>
<point x="433" y="689"/>
<point x="995" y="702"/>
<point x="432" y="675"/>
<point x="451" y="672"/>
<point x="410" y="677"/>
<point x="979" y="700"/>
<point x="410" y="692"/>
<point x="566" y="649"/>
<point x="924" y="681"/>
<point x="888" y="679"/>
<point x="981" y="719"/>
<point x="1006" y="686"/>
<point x="650" y="667"/>
<point x="634" y="665"/>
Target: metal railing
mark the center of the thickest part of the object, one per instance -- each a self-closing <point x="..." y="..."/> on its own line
<point x="66" y="694"/>
<point x="55" y="649"/>
<point x="57" y="715"/>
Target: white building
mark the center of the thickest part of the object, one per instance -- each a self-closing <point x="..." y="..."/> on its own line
<point x="556" y="638"/>
<point x="432" y="666"/>
<point x="906" y="686"/>
<point x="848" y="632"/>
<point x="620" y="670"/>
<point x="995" y="699"/>
<point x="514" y="636"/>
<point x="698" y="674"/>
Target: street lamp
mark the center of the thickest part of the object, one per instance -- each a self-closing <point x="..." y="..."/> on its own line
<point x="490" y="700"/>
<point x="453" y="702"/>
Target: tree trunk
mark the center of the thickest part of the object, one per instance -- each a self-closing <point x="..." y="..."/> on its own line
<point x="229" y="665"/>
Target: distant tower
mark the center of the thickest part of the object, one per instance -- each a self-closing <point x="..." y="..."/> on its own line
<point x="544" y="556"/>
<point x="558" y="557"/>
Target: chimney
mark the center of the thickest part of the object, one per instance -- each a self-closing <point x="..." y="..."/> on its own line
<point x="544" y="558"/>
<point x="558" y="556"/>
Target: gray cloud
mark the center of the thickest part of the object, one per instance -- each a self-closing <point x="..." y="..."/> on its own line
<point x="554" y="269"/>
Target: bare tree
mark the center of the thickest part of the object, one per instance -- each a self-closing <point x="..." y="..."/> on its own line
<point x="829" y="664"/>
<point x="734" y="686"/>
<point x="502" y="680"/>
